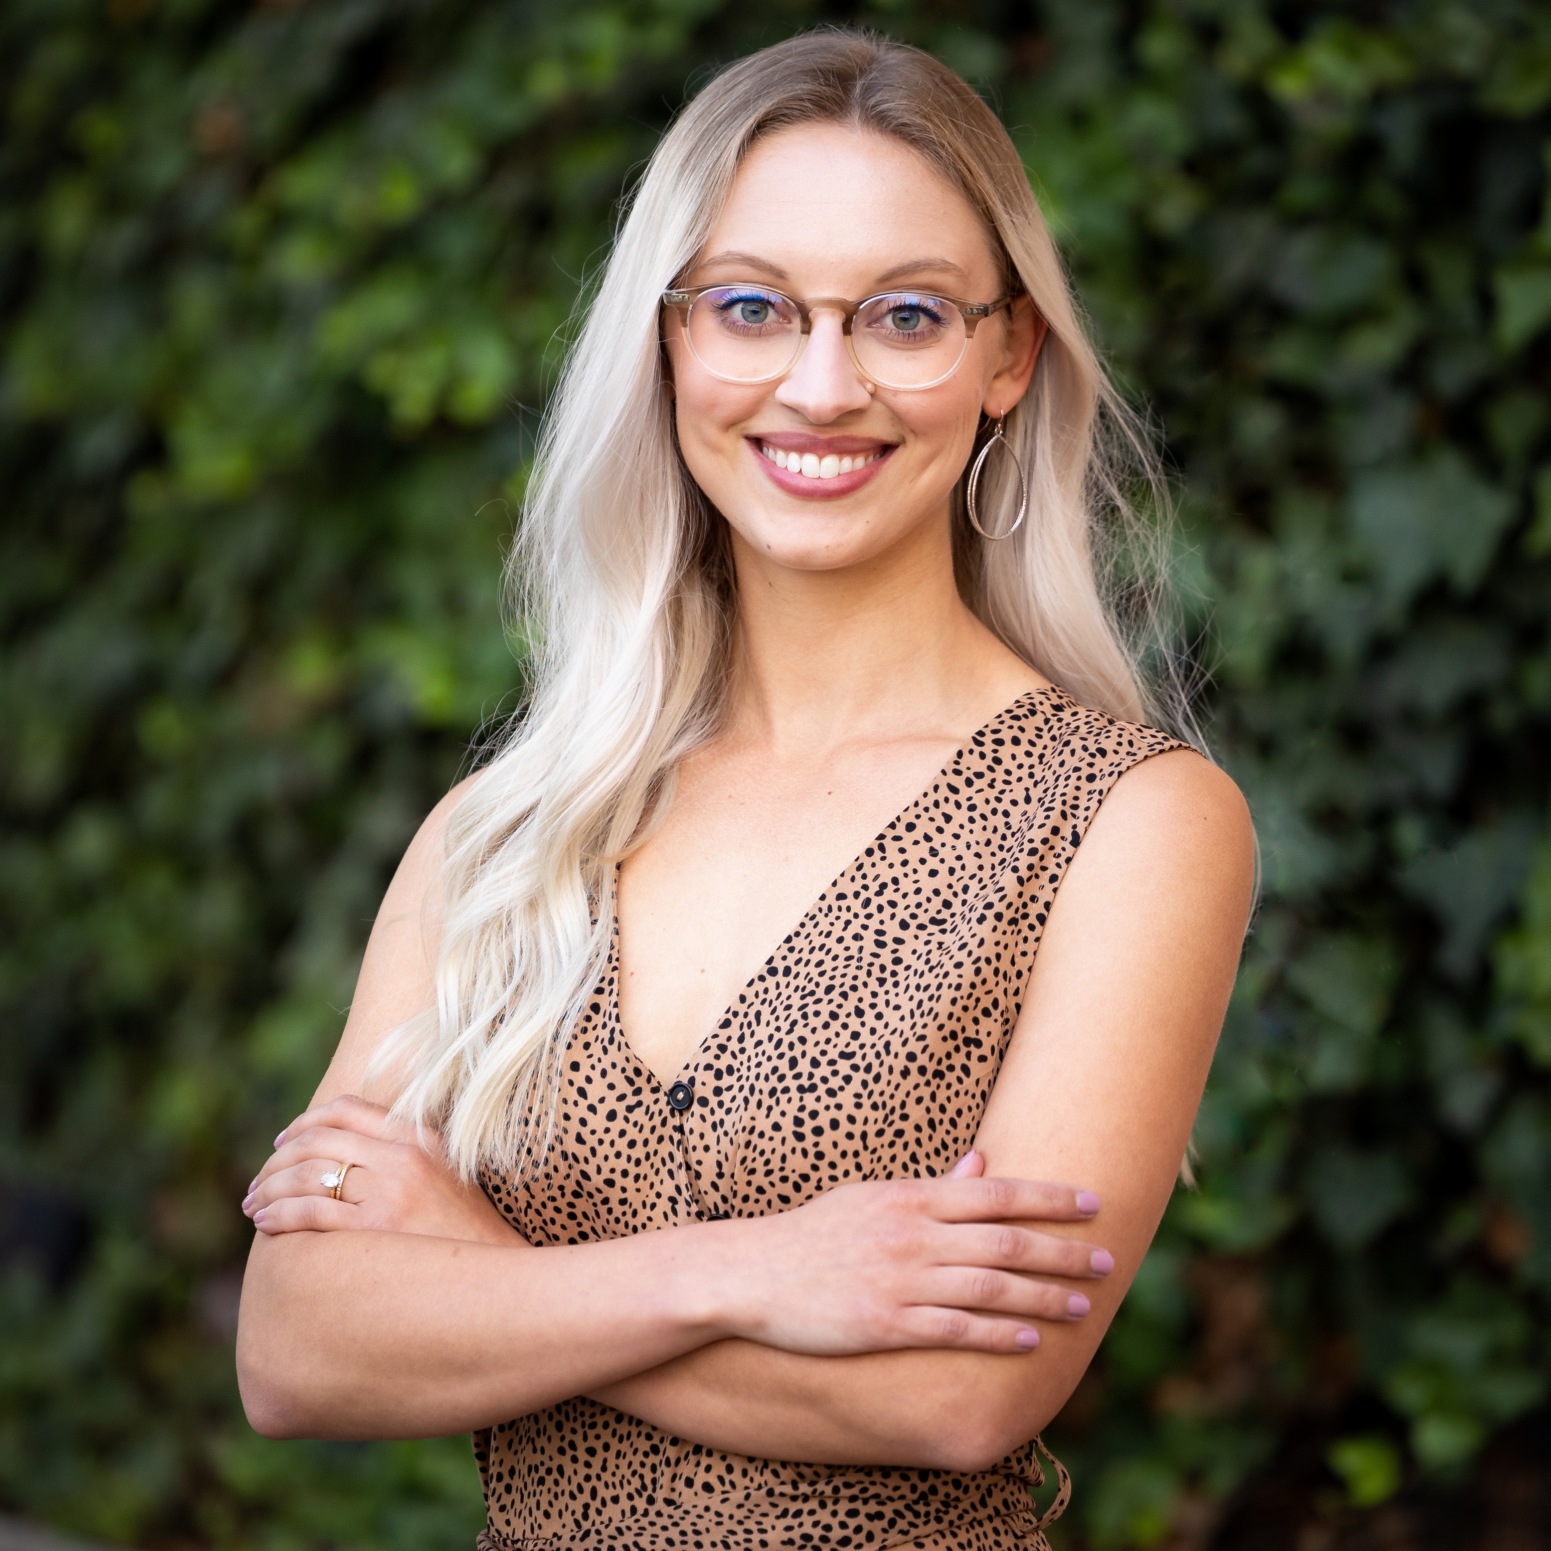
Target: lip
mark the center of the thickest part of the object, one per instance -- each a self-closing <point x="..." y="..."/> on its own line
<point x="819" y="489"/>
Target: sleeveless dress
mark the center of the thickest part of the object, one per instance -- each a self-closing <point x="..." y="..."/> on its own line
<point x="864" y="1048"/>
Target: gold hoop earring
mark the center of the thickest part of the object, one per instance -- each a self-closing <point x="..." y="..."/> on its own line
<point x="971" y="490"/>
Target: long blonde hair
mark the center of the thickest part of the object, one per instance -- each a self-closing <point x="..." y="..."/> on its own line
<point x="621" y="577"/>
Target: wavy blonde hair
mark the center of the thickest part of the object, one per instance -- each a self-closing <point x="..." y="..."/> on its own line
<point x="621" y="577"/>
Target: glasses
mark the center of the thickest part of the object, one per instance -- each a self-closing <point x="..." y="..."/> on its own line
<point x="898" y="339"/>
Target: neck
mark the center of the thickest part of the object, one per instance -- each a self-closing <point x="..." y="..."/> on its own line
<point x="885" y="647"/>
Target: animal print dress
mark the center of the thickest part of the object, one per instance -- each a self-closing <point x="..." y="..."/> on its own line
<point x="864" y="1048"/>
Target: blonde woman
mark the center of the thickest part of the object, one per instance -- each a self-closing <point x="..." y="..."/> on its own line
<point x="767" y="1074"/>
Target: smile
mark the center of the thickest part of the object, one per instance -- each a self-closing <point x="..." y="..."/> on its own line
<point x="812" y="465"/>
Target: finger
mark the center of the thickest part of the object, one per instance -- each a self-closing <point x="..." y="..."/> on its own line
<point x="350" y="1113"/>
<point x="1027" y="1250"/>
<point x="925" y="1325"/>
<point x="305" y="1214"/>
<point x="970" y="1166"/>
<point x="982" y="1289"/>
<point x="1002" y="1196"/>
<point x="327" y="1147"/>
<point x="306" y="1179"/>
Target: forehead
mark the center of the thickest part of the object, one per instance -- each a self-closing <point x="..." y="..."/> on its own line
<point x="834" y="206"/>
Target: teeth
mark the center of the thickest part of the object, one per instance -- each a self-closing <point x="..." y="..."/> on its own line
<point x="811" y="466"/>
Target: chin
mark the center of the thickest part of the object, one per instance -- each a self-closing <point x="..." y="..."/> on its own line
<point x="827" y="543"/>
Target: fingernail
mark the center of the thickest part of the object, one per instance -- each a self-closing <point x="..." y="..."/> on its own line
<point x="1103" y="1262"/>
<point x="247" y="1201"/>
<point x="1087" y="1202"/>
<point x="279" y="1139"/>
<point x="1077" y="1305"/>
<point x="253" y="1184"/>
<point x="967" y="1156"/>
<point x="1026" y="1339"/>
<point x="258" y="1216"/>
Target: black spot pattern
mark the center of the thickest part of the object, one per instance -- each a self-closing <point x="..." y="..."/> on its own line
<point x="864" y="1048"/>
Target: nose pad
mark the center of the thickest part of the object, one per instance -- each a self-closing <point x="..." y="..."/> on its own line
<point x="825" y="382"/>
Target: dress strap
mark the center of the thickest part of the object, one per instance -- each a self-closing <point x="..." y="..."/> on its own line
<point x="1063" y="1488"/>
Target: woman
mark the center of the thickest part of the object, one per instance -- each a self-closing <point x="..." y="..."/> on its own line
<point x="823" y="663"/>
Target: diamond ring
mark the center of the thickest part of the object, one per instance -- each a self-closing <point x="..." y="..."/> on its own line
<point x="334" y="1180"/>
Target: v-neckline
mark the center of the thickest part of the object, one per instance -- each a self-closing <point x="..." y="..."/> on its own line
<point x="740" y="995"/>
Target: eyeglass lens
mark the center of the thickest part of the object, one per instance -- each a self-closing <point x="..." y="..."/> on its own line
<point x="906" y="339"/>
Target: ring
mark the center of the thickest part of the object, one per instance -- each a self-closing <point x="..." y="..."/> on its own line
<point x="334" y="1180"/>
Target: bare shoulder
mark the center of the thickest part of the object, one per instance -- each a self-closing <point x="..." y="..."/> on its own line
<point x="397" y="977"/>
<point x="410" y="888"/>
<point x="1177" y="808"/>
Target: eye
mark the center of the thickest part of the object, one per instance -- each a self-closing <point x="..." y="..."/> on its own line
<point x="746" y="310"/>
<point x="908" y="318"/>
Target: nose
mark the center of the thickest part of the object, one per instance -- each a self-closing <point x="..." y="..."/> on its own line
<point x="824" y="384"/>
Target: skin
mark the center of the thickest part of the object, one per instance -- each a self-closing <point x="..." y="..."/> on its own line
<point x="883" y="1322"/>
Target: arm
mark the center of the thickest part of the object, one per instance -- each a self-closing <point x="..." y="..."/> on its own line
<point x="354" y="1335"/>
<point x="1122" y="1015"/>
<point x="440" y="1318"/>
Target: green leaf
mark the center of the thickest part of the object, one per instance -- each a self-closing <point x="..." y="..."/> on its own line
<point x="1369" y="1466"/>
<point x="1433" y="519"/>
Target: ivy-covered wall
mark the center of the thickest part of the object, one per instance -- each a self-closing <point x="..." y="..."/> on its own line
<point x="282" y="288"/>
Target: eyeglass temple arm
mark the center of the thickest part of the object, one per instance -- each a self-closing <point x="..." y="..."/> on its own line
<point x="974" y="312"/>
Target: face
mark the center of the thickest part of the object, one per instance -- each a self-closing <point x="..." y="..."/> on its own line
<point x="832" y="211"/>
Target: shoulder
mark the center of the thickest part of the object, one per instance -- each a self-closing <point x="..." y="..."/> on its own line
<point x="1174" y="829"/>
<point x="1061" y="738"/>
<point x="427" y="849"/>
<point x="397" y="977"/>
<point x="1176" y="785"/>
<point x="1175" y="788"/>
<point x="1132" y="798"/>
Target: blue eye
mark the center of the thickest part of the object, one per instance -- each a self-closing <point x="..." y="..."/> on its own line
<point x="905" y="318"/>
<point x="745" y="310"/>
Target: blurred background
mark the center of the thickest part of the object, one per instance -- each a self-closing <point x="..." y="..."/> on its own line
<point x="282" y="289"/>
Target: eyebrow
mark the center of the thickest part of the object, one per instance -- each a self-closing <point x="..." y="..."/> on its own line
<point x="910" y="267"/>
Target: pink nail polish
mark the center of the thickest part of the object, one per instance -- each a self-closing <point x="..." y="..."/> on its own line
<point x="247" y="1201"/>
<point x="1026" y="1339"/>
<point x="1077" y="1305"/>
<point x="279" y="1139"/>
<point x="1087" y="1202"/>
<point x="1102" y="1262"/>
<point x="258" y="1216"/>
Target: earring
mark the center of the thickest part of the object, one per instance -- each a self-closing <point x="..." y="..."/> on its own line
<point x="971" y="490"/>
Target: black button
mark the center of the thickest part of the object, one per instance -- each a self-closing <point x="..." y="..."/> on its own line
<point x="681" y="1095"/>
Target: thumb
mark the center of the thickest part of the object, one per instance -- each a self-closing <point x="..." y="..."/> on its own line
<point x="970" y="1166"/>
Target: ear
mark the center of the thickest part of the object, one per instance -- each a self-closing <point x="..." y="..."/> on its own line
<point x="1022" y="340"/>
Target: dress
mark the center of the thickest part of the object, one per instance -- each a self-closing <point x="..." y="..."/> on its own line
<point x="864" y="1048"/>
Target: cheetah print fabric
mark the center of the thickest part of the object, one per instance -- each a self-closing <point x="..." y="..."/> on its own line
<point x="864" y="1048"/>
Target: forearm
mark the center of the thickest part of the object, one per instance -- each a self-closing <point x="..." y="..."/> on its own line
<point x="945" y="1410"/>
<point x="391" y="1335"/>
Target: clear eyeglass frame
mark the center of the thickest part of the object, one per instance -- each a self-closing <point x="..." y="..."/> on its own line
<point x="973" y="313"/>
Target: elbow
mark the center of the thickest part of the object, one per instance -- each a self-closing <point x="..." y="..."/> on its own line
<point x="273" y="1407"/>
<point x="268" y="1414"/>
<point x="984" y="1420"/>
<point x="976" y="1447"/>
<point x="273" y="1365"/>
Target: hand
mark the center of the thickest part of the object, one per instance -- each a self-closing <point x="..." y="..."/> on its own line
<point x="879" y="1266"/>
<point x="394" y="1184"/>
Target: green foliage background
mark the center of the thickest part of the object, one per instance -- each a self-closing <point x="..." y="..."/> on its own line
<point x="280" y="294"/>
